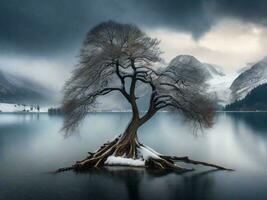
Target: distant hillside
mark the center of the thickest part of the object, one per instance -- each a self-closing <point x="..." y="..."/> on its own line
<point x="16" y="89"/>
<point x="249" y="79"/>
<point x="255" y="100"/>
<point x="188" y="67"/>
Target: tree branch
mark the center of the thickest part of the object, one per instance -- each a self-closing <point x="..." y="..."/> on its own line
<point x="102" y="92"/>
<point x="123" y="90"/>
<point x="172" y="85"/>
<point x="132" y="91"/>
<point x="149" y="70"/>
<point x="151" y="110"/>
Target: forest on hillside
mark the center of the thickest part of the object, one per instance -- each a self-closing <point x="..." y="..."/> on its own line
<point x="255" y="100"/>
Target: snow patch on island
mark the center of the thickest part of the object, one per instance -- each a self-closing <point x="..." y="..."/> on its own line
<point x="117" y="160"/>
<point x="147" y="153"/>
<point x="144" y="153"/>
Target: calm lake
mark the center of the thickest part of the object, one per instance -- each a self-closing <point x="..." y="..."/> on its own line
<point x="31" y="146"/>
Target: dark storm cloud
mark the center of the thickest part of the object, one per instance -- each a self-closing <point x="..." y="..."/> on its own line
<point x="38" y="27"/>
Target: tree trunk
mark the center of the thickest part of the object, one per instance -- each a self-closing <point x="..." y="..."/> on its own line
<point x="128" y="143"/>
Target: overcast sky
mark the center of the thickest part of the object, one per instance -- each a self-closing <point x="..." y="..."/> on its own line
<point x="41" y="39"/>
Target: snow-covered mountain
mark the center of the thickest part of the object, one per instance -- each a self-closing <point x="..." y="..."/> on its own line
<point x="218" y="82"/>
<point x="249" y="79"/>
<point x="247" y="67"/>
<point x="16" y="89"/>
<point x="219" y="86"/>
<point x="187" y="66"/>
<point x="225" y="88"/>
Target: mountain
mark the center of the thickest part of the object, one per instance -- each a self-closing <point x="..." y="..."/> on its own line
<point x="220" y="87"/>
<point x="16" y="89"/>
<point x="186" y="66"/>
<point x="224" y="88"/>
<point x="256" y="99"/>
<point x="249" y="79"/>
<point x="247" y="67"/>
<point x="218" y="83"/>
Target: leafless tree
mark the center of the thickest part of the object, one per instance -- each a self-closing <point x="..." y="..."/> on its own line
<point x="117" y="58"/>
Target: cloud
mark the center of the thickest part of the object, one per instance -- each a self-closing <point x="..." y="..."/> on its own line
<point x="41" y="39"/>
<point x="230" y="44"/>
<point x="51" y="73"/>
<point x="54" y="27"/>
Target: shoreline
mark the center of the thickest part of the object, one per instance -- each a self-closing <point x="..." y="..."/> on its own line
<point x="263" y="111"/>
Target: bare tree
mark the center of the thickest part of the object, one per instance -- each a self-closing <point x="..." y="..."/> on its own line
<point x="117" y="58"/>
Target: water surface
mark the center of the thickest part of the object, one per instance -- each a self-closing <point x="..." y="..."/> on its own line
<point x="31" y="146"/>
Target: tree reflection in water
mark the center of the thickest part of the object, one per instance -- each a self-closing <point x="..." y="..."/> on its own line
<point x="146" y="184"/>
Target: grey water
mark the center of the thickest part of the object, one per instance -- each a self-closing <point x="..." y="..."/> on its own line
<point x="31" y="146"/>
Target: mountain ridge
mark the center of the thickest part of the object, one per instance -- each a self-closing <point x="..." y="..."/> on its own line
<point x="224" y="88"/>
<point x="249" y="79"/>
<point x="17" y="89"/>
<point x="254" y="100"/>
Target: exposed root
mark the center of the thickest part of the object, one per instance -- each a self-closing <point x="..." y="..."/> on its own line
<point x="125" y="148"/>
<point x="162" y="164"/>
<point x="185" y="159"/>
<point x="97" y="159"/>
<point x="64" y="169"/>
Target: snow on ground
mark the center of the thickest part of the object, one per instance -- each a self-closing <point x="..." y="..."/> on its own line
<point x="144" y="152"/>
<point x="117" y="160"/>
<point x="19" y="108"/>
<point x="147" y="153"/>
<point x="220" y="85"/>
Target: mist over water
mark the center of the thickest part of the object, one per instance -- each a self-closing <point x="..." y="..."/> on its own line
<point x="31" y="146"/>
